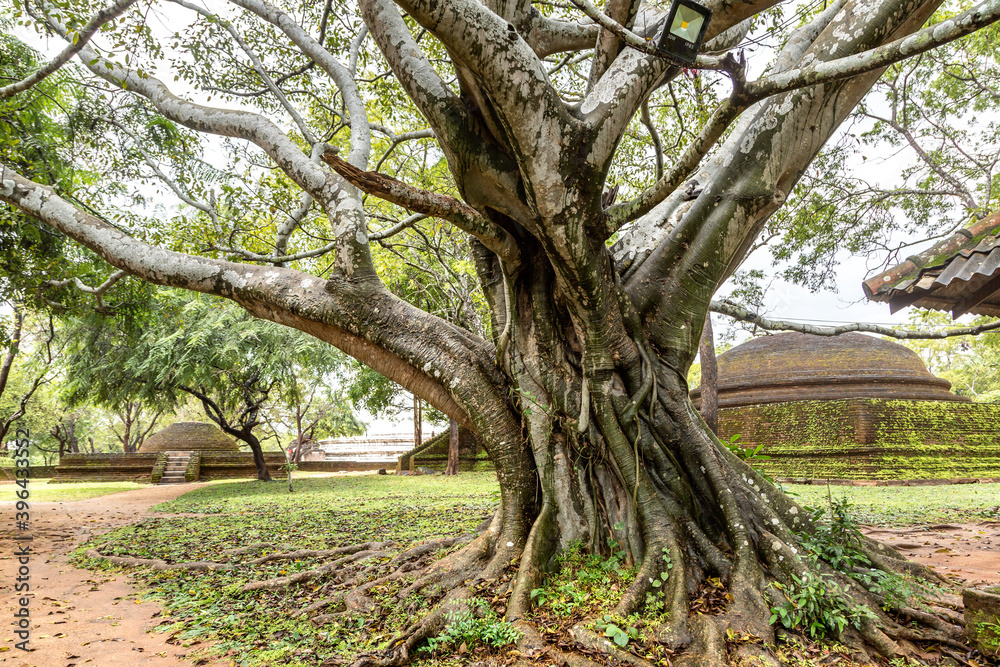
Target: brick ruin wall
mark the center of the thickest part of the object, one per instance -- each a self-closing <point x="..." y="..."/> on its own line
<point x="139" y="467"/>
<point x="433" y="454"/>
<point x="870" y="438"/>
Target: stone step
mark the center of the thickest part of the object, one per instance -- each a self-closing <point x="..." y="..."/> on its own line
<point x="173" y="472"/>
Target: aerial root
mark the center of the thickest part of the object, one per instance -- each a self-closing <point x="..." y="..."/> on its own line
<point x="157" y="564"/>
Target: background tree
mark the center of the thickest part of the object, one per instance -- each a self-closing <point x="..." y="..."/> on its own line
<point x="578" y="393"/>
<point x="234" y="365"/>
<point x="311" y="408"/>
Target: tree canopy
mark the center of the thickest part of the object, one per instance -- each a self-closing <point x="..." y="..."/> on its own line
<point x="314" y="148"/>
<point x="195" y="346"/>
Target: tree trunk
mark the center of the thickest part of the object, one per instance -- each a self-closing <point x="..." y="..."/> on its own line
<point x="418" y="419"/>
<point x="709" y="378"/>
<point x="453" y="449"/>
<point x="247" y="436"/>
<point x="581" y="399"/>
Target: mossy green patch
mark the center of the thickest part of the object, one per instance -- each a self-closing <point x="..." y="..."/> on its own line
<point x="871" y="439"/>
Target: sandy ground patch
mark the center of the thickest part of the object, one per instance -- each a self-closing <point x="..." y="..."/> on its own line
<point x="80" y="617"/>
<point x="969" y="553"/>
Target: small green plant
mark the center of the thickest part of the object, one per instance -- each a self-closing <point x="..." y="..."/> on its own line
<point x="609" y="625"/>
<point x="477" y="626"/>
<point x="584" y="581"/>
<point x="816" y="604"/>
<point x="988" y="636"/>
<point x="838" y="539"/>
<point x="748" y="454"/>
<point x="654" y="602"/>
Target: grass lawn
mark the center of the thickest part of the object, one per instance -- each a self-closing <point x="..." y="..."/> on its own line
<point x="45" y="493"/>
<point x="908" y="505"/>
<point x="261" y="627"/>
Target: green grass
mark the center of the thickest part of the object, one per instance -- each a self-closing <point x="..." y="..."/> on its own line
<point x="41" y="492"/>
<point x="908" y="505"/>
<point x="261" y="628"/>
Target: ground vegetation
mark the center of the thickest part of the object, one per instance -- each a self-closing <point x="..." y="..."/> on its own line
<point x="597" y="271"/>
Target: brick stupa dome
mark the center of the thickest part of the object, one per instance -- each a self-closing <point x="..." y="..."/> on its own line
<point x="799" y="367"/>
<point x="189" y="436"/>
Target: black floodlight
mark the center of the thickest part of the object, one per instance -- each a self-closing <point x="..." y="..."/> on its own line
<point x="684" y="29"/>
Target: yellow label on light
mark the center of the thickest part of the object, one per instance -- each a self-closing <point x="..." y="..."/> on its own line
<point x="684" y="25"/>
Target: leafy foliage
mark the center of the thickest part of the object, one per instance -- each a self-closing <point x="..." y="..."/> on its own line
<point x="208" y="345"/>
<point x="477" y="626"/>
<point x="817" y="605"/>
<point x="970" y="363"/>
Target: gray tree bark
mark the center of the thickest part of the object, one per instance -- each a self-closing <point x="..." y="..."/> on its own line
<point x="709" y="378"/>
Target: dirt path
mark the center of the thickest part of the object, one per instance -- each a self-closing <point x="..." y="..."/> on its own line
<point x="91" y="618"/>
<point x="967" y="553"/>
<point x="80" y="617"/>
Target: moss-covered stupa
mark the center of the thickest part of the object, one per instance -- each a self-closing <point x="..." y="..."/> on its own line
<point x="851" y="407"/>
<point x="189" y="437"/>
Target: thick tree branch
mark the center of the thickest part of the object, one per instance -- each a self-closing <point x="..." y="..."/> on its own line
<point x="485" y="173"/>
<point x="359" y="317"/>
<point x="78" y="40"/>
<point x="824" y="72"/>
<point x="876" y="58"/>
<point x="548" y="36"/>
<point x="743" y="190"/>
<point x="435" y="204"/>
<point x="508" y="70"/>
<point x="343" y="208"/>
<point x="744" y="315"/>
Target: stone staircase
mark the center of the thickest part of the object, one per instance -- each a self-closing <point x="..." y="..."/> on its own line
<point x="176" y="465"/>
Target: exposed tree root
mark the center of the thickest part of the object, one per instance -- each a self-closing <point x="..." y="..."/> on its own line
<point x="157" y="564"/>
<point x="591" y="640"/>
<point x="323" y="553"/>
<point x="257" y="546"/>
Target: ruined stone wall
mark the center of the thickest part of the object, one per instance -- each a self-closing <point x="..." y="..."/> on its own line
<point x="238" y="466"/>
<point x="105" y="468"/>
<point x="870" y="438"/>
<point x="434" y="453"/>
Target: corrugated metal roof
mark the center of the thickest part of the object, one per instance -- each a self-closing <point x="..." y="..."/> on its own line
<point x="960" y="274"/>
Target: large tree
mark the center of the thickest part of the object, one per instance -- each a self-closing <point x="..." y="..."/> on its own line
<point x="579" y="393"/>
